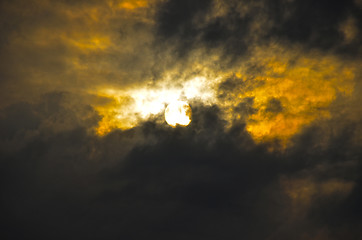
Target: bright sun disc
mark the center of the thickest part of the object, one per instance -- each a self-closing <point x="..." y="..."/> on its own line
<point x="178" y="113"/>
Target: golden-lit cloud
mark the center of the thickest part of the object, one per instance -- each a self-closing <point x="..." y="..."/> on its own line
<point x="131" y="4"/>
<point x="106" y="49"/>
<point x="262" y="101"/>
<point x="291" y="90"/>
<point x="301" y="84"/>
<point x="127" y="108"/>
<point x="67" y="47"/>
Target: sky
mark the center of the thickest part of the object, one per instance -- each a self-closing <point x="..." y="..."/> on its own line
<point x="273" y="150"/>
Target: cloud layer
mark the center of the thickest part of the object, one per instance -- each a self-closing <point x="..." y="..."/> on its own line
<point x="273" y="150"/>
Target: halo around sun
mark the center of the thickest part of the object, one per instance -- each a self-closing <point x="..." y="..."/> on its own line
<point x="178" y="113"/>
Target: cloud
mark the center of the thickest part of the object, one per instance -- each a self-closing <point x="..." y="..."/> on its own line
<point x="204" y="180"/>
<point x="238" y="24"/>
<point x="273" y="150"/>
<point x="66" y="46"/>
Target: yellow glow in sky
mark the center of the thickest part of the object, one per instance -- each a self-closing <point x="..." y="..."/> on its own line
<point x="304" y="91"/>
<point x="127" y="108"/>
<point x="178" y="113"/>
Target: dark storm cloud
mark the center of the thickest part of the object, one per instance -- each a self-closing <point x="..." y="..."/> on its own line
<point x="210" y="180"/>
<point x="236" y="25"/>
<point x="158" y="182"/>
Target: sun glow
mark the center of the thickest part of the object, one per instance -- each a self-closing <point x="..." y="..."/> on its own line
<point x="126" y="108"/>
<point x="178" y="113"/>
<point x="276" y="103"/>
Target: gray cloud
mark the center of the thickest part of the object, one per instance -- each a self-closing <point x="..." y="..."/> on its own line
<point x="192" y="182"/>
<point x="211" y="180"/>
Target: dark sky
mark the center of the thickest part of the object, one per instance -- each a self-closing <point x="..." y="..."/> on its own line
<point x="273" y="151"/>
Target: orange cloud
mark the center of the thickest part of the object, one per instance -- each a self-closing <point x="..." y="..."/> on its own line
<point x="303" y="84"/>
<point x="131" y="5"/>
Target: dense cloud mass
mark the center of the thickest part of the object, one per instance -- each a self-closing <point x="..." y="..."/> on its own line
<point x="273" y="151"/>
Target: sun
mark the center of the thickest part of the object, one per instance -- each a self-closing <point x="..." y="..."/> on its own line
<point x="178" y="113"/>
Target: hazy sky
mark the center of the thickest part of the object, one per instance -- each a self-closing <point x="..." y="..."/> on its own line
<point x="273" y="151"/>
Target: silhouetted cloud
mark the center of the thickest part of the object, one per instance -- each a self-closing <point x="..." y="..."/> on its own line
<point x="203" y="180"/>
<point x="273" y="150"/>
